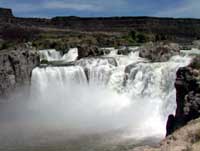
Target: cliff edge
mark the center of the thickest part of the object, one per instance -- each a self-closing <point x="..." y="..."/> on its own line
<point x="15" y="69"/>
<point x="6" y="12"/>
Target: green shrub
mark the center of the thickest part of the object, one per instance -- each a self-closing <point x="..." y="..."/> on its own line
<point x="6" y="45"/>
<point x="44" y="61"/>
<point x="133" y="35"/>
<point x="142" y="38"/>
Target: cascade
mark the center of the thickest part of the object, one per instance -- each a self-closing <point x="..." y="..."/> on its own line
<point x="120" y="91"/>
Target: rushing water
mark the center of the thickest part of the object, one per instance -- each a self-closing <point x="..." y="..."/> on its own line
<point x="140" y="95"/>
<point x="119" y="97"/>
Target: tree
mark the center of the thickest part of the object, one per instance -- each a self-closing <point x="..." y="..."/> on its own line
<point x="142" y="38"/>
<point x="133" y="34"/>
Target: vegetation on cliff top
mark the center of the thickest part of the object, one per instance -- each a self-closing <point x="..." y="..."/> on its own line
<point x="11" y="36"/>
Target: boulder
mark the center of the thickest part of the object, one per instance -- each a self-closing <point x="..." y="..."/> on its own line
<point x="89" y="51"/>
<point x="123" y="51"/>
<point x="170" y="125"/>
<point x="159" y="52"/>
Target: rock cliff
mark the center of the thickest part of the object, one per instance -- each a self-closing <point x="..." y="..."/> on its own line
<point x="15" y="69"/>
<point x="187" y="96"/>
<point x="5" y="12"/>
<point x="182" y="30"/>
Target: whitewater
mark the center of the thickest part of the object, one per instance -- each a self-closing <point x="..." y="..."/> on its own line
<point x="120" y="91"/>
<point x="93" y="102"/>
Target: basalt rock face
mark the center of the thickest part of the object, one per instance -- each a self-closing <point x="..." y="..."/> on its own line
<point x="90" y="51"/>
<point x="170" y="27"/>
<point x="179" y="30"/>
<point x="159" y="52"/>
<point x="4" y="12"/>
<point x="124" y="51"/>
<point x="15" y="69"/>
<point x="187" y="96"/>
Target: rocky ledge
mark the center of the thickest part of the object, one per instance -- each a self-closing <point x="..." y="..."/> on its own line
<point x="6" y="12"/>
<point x="90" y="51"/>
<point x="159" y="52"/>
<point x="16" y="67"/>
<point x="187" y="96"/>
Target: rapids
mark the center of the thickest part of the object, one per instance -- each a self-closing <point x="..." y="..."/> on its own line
<point x="122" y="92"/>
<point x="109" y="103"/>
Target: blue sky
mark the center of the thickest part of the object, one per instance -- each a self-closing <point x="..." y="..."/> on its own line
<point x="49" y="8"/>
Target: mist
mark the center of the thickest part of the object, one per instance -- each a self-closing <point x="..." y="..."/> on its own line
<point x="70" y="112"/>
<point x="64" y="104"/>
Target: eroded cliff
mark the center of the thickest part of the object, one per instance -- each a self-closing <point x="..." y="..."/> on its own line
<point x="15" y="69"/>
<point x="181" y="30"/>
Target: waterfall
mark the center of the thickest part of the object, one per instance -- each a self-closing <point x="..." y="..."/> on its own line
<point x="53" y="55"/>
<point x="110" y="92"/>
<point x="50" y="55"/>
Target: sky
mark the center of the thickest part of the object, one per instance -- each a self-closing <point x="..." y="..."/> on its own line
<point x="104" y="8"/>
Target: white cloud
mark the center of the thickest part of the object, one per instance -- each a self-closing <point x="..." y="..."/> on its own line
<point x="22" y="8"/>
<point x="77" y="7"/>
<point x="71" y="5"/>
<point x="190" y="8"/>
<point x="74" y="5"/>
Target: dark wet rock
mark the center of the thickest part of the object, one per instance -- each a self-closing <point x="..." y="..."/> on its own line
<point x="44" y="64"/>
<point x="192" y="106"/>
<point x="84" y="62"/>
<point x="105" y="51"/>
<point x="16" y="68"/>
<point x="159" y="52"/>
<point x="170" y="125"/>
<point x="123" y="51"/>
<point x="90" y="51"/>
<point x="132" y="66"/>
<point x="187" y="95"/>
<point x="185" y="82"/>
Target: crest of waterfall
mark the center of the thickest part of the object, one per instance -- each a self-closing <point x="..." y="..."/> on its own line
<point x="49" y="55"/>
<point x="128" y="91"/>
<point x="53" y="55"/>
<point x="72" y="55"/>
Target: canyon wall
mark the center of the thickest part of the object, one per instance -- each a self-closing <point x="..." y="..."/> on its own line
<point x="5" y="12"/>
<point x="15" y="69"/>
<point x="187" y="96"/>
<point x="166" y="28"/>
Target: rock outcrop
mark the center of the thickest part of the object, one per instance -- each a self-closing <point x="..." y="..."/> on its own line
<point x="187" y="96"/>
<point x="179" y="30"/>
<point x="159" y="52"/>
<point x="90" y="51"/>
<point x="16" y="67"/>
<point x="168" y="28"/>
<point x="5" y="12"/>
<point x="124" y="51"/>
